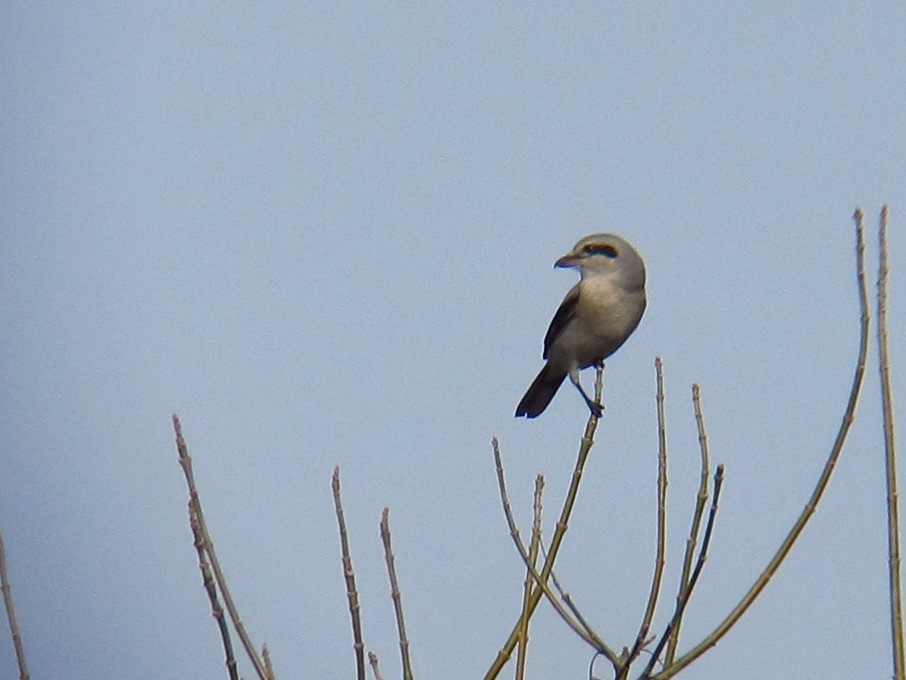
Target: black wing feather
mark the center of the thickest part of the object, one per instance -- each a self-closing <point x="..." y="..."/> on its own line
<point x="563" y="316"/>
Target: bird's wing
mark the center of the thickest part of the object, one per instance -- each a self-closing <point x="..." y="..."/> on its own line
<point x="563" y="316"/>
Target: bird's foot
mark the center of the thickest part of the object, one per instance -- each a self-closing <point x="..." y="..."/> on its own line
<point x="597" y="409"/>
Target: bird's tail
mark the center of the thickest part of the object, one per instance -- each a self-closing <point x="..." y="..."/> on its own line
<point x="540" y="393"/>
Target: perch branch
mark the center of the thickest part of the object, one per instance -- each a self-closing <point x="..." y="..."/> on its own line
<point x="562" y="524"/>
<point x="583" y="631"/>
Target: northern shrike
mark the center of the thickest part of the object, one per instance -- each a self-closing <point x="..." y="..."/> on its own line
<point x="594" y="319"/>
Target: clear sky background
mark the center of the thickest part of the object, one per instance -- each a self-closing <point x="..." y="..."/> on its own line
<point x="323" y="234"/>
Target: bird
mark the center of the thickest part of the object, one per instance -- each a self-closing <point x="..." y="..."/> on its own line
<point x="594" y="320"/>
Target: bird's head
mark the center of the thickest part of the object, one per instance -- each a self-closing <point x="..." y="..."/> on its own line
<point x="606" y="254"/>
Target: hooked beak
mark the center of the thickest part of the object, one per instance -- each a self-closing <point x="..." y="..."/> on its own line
<point x="568" y="260"/>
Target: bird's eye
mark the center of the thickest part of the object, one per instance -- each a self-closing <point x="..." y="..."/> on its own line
<point x="604" y="249"/>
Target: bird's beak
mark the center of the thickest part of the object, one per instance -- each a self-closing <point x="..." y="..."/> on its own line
<point x="568" y="260"/>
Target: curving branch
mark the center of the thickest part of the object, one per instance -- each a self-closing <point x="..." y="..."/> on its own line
<point x="848" y="417"/>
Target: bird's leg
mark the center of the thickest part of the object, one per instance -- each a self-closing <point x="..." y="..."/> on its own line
<point x="593" y="406"/>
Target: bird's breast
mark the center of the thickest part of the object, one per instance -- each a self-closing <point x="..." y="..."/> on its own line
<point x="605" y="316"/>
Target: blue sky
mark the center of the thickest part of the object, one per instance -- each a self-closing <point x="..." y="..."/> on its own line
<point x="323" y="234"/>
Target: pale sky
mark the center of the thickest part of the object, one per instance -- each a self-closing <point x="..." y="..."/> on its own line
<point x="323" y="233"/>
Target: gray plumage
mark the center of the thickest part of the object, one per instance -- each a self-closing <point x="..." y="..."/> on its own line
<point x="594" y="319"/>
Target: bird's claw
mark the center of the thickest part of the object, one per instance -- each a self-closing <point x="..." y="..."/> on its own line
<point x="597" y="409"/>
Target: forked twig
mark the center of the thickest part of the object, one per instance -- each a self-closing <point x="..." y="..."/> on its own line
<point x="683" y="600"/>
<point x="560" y="529"/>
<point x="352" y="594"/>
<point x="395" y="594"/>
<point x="700" y="501"/>
<point x="11" y="614"/>
<point x="823" y="480"/>
<point x="210" y="587"/>
<point x="893" y="513"/>
<point x="185" y="462"/>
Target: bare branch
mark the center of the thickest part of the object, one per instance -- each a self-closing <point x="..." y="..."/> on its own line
<point x="352" y="594"/>
<point x="11" y="614"/>
<point x="185" y="462"/>
<point x="606" y="652"/>
<point x="700" y="502"/>
<point x="693" y="579"/>
<point x="527" y="591"/>
<point x="893" y="513"/>
<point x="373" y="660"/>
<point x="211" y="588"/>
<point x="582" y="631"/>
<point x="269" y="667"/>
<point x="395" y="594"/>
<point x="659" y="559"/>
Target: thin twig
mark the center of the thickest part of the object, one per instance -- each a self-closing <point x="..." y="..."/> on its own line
<point x="693" y="579"/>
<point x="269" y="667"/>
<point x="893" y="513"/>
<point x="576" y="612"/>
<point x="395" y="594"/>
<point x="583" y="631"/>
<point x="11" y="614"/>
<point x="809" y="509"/>
<point x="527" y="590"/>
<point x="700" y="501"/>
<point x="659" y="559"/>
<point x="352" y="594"/>
<point x="185" y="462"/>
<point x="210" y="587"/>
<point x="373" y="660"/>
<point x="560" y="529"/>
